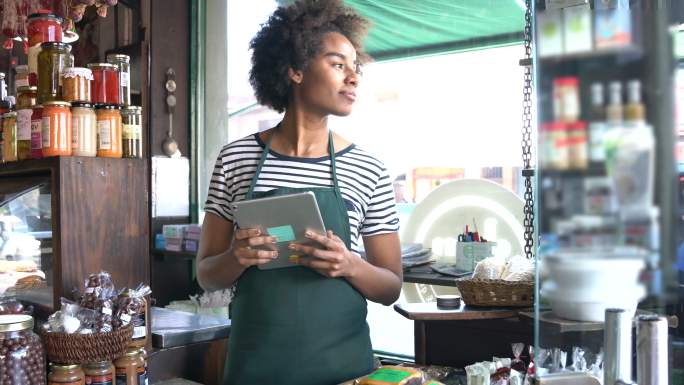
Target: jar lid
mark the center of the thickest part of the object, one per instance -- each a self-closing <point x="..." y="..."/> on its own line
<point x="2" y="75"/>
<point x="63" y="366"/>
<point x="117" y="57"/>
<point x="72" y="72"/>
<point x="23" y="68"/>
<point x="132" y="352"/>
<point x="97" y="66"/>
<point x="98" y="364"/>
<point x="107" y="107"/>
<point x="81" y="105"/>
<point x="566" y="81"/>
<point x="131" y="109"/>
<point x="27" y="89"/>
<point x="56" y="44"/>
<point x="15" y="322"/>
<point x="57" y="103"/>
<point x="44" y="14"/>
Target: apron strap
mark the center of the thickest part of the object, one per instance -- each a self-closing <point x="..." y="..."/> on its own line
<point x="264" y="154"/>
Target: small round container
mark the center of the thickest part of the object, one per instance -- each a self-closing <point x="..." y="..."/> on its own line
<point x="83" y="129"/>
<point x="66" y="375"/>
<point x="109" y="131"/>
<point x="105" y="83"/>
<point x="56" y="129"/>
<point x="24" y="362"/>
<point x="76" y="83"/>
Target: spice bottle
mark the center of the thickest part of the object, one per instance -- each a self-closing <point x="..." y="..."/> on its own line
<point x="99" y="373"/>
<point x="66" y="375"/>
<point x="132" y="132"/>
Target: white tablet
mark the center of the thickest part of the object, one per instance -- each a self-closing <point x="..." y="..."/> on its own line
<point x="286" y="217"/>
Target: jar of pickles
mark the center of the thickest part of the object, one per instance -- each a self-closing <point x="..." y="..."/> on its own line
<point x="26" y="97"/>
<point x="132" y="131"/>
<point x="76" y="84"/>
<point x="56" y="128"/>
<point x="99" y="373"/>
<point x="9" y="137"/>
<point x="24" y="362"/>
<point x="105" y="83"/>
<point x="123" y="64"/>
<point x="37" y="132"/>
<point x="52" y="60"/>
<point x="66" y="375"/>
<point x="109" y="131"/>
<point x="43" y="27"/>
<point x="83" y="129"/>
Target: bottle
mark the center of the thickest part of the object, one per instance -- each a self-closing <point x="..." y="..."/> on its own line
<point x="597" y="124"/>
<point x="614" y="110"/>
<point x="635" y="111"/>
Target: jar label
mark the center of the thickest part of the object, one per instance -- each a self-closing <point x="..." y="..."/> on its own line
<point x="45" y="131"/>
<point x="124" y="79"/>
<point x="99" y="380"/>
<point x="21" y="82"/>
<point x="33" y="58"/>
<point x="24" y="124"/>
<point x="122" y="379"/>
<point x="36" y="130"/>
<point x="131" y="131"/>
<point x="104" y="135"/>
<point x="74" y="136"/>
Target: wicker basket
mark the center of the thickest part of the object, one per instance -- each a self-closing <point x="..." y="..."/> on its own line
<point x="495" y="292"/>
<point x="66" y="348"/>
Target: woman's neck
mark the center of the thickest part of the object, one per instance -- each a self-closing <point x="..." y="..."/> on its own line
<point x="301" y="135"/>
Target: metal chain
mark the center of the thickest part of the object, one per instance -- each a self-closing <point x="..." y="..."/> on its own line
<point x="528" y="171"/>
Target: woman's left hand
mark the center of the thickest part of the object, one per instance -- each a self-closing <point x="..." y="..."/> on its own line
<point x="332" y="260"/>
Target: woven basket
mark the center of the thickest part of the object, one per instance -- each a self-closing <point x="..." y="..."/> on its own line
<point x="66" y="348"/>
<point x="495" y="292"/>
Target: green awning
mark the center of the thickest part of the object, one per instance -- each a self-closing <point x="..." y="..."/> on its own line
<point x="408" y="28"/>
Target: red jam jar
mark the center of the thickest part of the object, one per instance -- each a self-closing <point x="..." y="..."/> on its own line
<point x="105" y="89"/>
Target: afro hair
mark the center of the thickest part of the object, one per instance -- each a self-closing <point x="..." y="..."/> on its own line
<point x="291" y="37"/>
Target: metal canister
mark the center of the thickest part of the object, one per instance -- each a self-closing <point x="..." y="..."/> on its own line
<point x="651" y="341"/>
<point x="617" y="345"/>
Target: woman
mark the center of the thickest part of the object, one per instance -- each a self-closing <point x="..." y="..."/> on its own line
<point x="304" y="324"/>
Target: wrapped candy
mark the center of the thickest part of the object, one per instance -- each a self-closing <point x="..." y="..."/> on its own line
<point x="517" y="363"/>
<point x="98" y="295"/>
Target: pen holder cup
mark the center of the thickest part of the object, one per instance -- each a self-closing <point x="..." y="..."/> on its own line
<point x="468" y="254"/>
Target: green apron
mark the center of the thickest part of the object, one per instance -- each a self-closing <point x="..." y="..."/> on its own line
<point x="293" y="326"/>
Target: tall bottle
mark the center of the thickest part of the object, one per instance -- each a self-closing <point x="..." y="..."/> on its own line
<point x="614" y="109"/>
<point x="597" y="124"/>
<point x="635" y="111"/>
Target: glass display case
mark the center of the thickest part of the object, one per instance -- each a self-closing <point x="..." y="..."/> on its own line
<point x="608" y="216"/>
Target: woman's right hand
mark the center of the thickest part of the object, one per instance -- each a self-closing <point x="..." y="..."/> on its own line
<point x="244" y="251"/>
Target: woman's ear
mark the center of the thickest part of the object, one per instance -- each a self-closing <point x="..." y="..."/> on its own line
<point x="295" y="76"/>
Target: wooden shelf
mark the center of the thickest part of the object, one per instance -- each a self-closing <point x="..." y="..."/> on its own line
<point x="627" y="52"/>
<point x="173" y="254"/>
<point x="550" y="323"/>
<point x="429" y="312"/>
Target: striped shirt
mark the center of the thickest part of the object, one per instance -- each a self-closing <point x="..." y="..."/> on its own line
<point x="364" y="183"/>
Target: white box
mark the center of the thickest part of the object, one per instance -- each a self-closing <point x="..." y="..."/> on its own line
<point x="577" y="29"/>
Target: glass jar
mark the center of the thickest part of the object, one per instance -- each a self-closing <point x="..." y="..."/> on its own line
<point x="76" y="84"/>
<point x="566" y="99"/>
<point x="132" y="131"/>
<point x="9" y="137"/>
<point x="24" y="133"/>
<point x="99" y="373"/>
<point x="52" y="60"/>
<point x="127" y="368"/>
<point x="3" y="86"/>
<point x="26" y="97"/>
<point x="143" y="356"/>
<point x="83" y="129"/>
<point x="66" y="375"/>
<point x="37" y="132"/>
<point x="109" y="131"/>
<point x="24" y="362"/>
<point x="56" y="128"/>
<point x="43" y="27"/>
<point x="122" y="62"/>
<point x="21" y="79"/>
<point x="105" y="83"/>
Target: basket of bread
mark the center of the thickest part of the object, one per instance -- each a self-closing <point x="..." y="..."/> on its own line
<point x="499" y="281"/>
